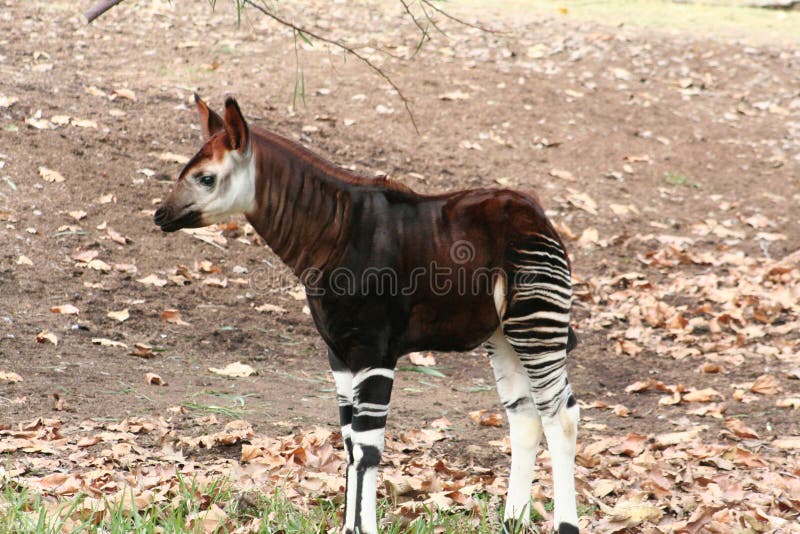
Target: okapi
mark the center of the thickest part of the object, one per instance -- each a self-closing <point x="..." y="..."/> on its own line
<point x="330" y="225"/>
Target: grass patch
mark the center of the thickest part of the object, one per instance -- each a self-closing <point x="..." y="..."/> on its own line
<point x="189" y="508"/>
<point x="676" y="178"/>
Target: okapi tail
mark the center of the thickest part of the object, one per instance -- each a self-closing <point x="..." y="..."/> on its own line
<point x="572" y="339"/>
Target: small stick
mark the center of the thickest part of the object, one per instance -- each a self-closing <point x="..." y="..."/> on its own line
<point x="98" y="9"/>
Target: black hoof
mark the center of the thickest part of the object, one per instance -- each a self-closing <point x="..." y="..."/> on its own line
<point x="566" y="528"/>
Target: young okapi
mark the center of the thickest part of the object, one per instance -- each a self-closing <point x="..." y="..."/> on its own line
<point x="462" y="269"/>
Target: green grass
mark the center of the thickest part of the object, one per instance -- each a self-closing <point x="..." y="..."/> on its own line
<point x="676" y="178"/>
<point x="23" y="512"/>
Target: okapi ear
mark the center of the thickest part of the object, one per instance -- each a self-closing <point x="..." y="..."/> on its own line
<point x="236" y="126"/>
<point x="210" y="121"/>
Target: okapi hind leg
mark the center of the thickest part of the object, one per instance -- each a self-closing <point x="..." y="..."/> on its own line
<point x="537" y="325"/>
<point x="372" y="389"/>
<point x="525" y="429"/>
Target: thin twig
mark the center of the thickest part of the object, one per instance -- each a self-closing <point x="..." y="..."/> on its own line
<point x="458" y="20"/>
<point x="423" y="31"/>
<point x="350" y="50"/>
<point x="98" y="9"/>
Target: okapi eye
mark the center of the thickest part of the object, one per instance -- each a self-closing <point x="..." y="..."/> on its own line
<point x="207" y="180"/>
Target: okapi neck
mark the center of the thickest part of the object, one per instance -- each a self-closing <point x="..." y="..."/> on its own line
<point x="302" y="210"/>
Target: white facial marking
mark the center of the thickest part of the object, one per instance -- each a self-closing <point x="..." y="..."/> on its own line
<point x="235" y="189"/>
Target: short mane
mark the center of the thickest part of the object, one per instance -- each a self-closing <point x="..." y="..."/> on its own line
<point x="329" y="167"/>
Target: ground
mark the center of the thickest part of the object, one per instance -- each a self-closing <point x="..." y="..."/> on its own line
<point x="669" y="159"/>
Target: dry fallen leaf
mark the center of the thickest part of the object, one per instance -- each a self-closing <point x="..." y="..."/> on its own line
<point x="142" y="350"/>
<point x="154" y="380"/>
<point x="702" y="395"/>
<point x="49" y="175"/>
<point x="124" y="93"/>
<point x="121" y="315"/>
<point x="65" y="309"/>
<point x="235" y="369"/>
<point x="739" y="428"/>
<point x="7" y="376"/>
<point x="483" y="418"/>
<point x="562" y="174"/>
<point x="454" y="95"/>
<point x="45" y="336"/>
<point x="422" y="359"/>
<point x="790" y="402"/>
<point x="108" y="342"/>
<point x="174" y="317"/>
<point x="173" y="158"/>
<point x="271" y="308"/>
<point x="152" y="280"/>
<point x="59" y="404"/>
<point x="765" y="385"/>
<point x="84" y="256"/>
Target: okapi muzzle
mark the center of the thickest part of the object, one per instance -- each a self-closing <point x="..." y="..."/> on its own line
<point x="167" y="219"/>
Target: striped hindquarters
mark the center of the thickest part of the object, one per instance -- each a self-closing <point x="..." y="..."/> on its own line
<point x="537" y="318"/>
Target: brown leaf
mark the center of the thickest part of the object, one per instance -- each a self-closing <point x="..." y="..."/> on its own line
<point x="631" y="445"/>
<point x="8" y="376"/>
<point x="65" y="309"/>
<point x="790" y="402"/>
<point x="271" y="308"/>
<point x="84" y="256"/>
<point x="142" y="350"/>
<point x="174" y="317"/>
<point x="59" y="404"/>
<point x="214" y="281"/>
<point x="120" y="316"/>
<point x="739" y="428"/>
<point x="483" y="418"/>
<point x="152" y="280"/>
<point x="116" y="236"/>
<point x="628" y="347"/>
<point x="108" y="342"/>
<point x="45" y="336"/>
<point x="49" y="175"/>
<point x="788" y="443"/>
<point x="234" y="370"/>
<point x="765" y="385"/>
<point x="562" y="174"/>
<point x="422" y="359"/>
<point x="154" y="379"/>
<point x="702" y="395"/>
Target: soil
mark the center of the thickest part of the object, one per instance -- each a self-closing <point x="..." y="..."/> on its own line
<point x="598" y="95"/>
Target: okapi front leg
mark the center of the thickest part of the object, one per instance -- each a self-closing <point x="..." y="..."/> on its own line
<point x="372" y="388"/>
<point x="344" y="394"/>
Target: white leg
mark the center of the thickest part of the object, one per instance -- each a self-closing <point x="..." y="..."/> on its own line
<point x="372" y="388"/>
<point x="343" y="378"/>
<point x="561" y="431"/>
<point x="525" y="426"/>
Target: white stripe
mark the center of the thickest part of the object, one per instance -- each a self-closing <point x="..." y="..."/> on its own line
<point x="370" y="372"/>
<point x="552" y="316"/>
<point x="370" y="438"/>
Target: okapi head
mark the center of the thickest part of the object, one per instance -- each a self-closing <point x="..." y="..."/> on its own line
<point x="219" y="180"/>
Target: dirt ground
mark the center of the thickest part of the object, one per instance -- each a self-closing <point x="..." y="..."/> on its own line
<point x="628" y="132"/>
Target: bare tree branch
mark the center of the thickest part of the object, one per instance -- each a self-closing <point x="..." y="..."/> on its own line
<point x="98" y="9"/>
<point x="101" y="7"/>
<point x="456" y="19"/>
<point x="338" y="44"/>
